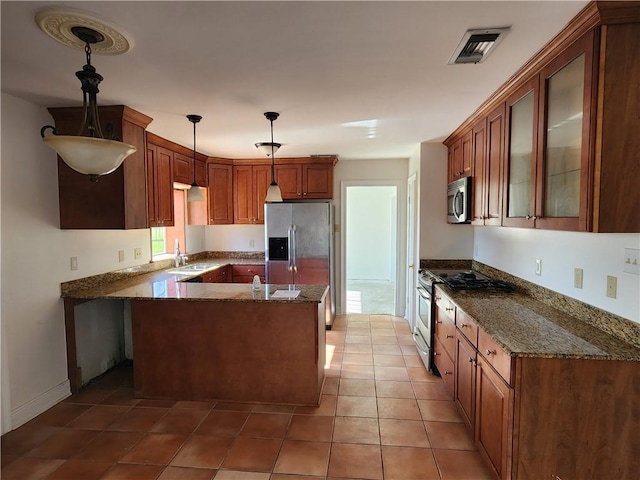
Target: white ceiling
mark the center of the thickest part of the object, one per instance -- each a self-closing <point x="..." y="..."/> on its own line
<point x="333" y="70"/>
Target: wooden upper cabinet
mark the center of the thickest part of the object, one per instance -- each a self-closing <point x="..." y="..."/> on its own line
<point x="460" y="158"/>
<point x="289" y="179"/>
<point x="220" y="193"/>
<point x="479" y="159"/>
<point x="182" y="168"/>
<point x="519" y="177"/>
<point x="493" y="166"/>
<point x="250" y="184"/>
<point x="117" y="200"/>
<point x="565" y="138"/>
<point x="567" y="112"/>
<point x="305" y="179"/>
<point x="159" y="184"/>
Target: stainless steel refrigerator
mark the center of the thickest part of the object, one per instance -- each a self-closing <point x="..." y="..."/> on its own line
<point x="299" y="246"/>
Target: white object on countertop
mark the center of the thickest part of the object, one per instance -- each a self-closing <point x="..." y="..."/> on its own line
<point x="285" y="294"/>
<point x="256" y="282"/>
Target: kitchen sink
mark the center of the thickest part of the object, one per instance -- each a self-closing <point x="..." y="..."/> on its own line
<point x="189" y="269"/>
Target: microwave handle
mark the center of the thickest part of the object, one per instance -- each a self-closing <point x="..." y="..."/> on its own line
<point x="458" y="204"/>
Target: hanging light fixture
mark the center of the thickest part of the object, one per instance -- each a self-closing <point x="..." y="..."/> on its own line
<point x="195" y="192"/>
<point x="91" y="155"/>
<point x="270" y="149"/>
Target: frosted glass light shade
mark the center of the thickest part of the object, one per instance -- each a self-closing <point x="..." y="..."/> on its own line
<point x="195" y="194"/>
<point x="88" y="155"/>
<point x="273" y="194"/>
<point x="265" y="147"/>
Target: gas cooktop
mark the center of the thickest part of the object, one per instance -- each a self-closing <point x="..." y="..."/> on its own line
<point x="469" y="280"/>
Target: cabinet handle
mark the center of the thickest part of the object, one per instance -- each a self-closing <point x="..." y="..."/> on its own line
<point x="462" y="325"/>
<point x="447" y="373"/>
<point x="448" y="309"/>
<point x="491" y="352"/>
<point x="438" y="321"/>
<point x="435" y="354"/>
<point x="449" y="336"/>
<point x="475" y="364"/>
<point x="470" y="360"/>
<point x="438" y="298"/>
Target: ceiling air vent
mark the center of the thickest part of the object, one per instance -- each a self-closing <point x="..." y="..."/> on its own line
<point x="476" y="45"/>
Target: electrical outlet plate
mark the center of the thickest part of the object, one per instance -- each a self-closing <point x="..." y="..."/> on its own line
<point x="577" y="277"/>
<point x="538" y="267"/>
<point x="632" y="261"/>
<point x="612" y="286"/>
<point x="121" y="255"/>
<point x="137" y="253"/>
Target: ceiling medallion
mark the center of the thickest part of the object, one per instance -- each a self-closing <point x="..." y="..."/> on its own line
<point x="58" y="23"/>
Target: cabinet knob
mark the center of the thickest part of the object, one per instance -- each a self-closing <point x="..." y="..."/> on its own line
<point x="447" y="373"/>
<point x="304" y="194"/>
<point x="299" y="194"/>
<point x="491" y="352"/>
<point x="470" y="360"/>
<point x="462" y="325"/>
<point x="435" y="354"/>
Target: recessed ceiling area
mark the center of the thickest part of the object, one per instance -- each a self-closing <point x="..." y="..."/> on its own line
<point x="359" y="79"/>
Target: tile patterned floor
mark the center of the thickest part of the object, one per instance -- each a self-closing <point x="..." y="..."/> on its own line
<point x="382" y="417"/>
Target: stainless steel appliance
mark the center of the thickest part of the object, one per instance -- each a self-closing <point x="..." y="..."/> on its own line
<point x="459" y="201"/>
<point x="424" y="328"/>
<point x="456" y="280"/>
<point x="299" y="246"/>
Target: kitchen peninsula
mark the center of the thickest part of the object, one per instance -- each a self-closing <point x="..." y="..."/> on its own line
<point x="202" y="341"/>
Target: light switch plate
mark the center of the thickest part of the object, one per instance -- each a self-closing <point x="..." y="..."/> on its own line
<point x="121" y="255"/>
<point x="577" y="277"/>
<point x="612" y="286"/>
<point x="538" y="267"/>
<point x="74" y="263"/>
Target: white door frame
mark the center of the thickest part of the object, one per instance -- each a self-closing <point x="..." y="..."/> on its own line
<point x="400" y="239"/>
<point x="413" y="260"/>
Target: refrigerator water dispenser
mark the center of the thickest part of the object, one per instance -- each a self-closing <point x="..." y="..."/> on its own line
<point x="278" y="248"/>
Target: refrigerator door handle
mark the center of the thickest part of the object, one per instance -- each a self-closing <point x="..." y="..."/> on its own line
<point x="290" y="248"/>
<point x="295" y="249"/>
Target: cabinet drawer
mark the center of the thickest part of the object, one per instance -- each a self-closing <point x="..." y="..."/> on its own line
<point x="445" y="332"/>
<point x="444" y="364"/>
<point x="496" y="356"/>
<point x="467" y="327"/>
<point x="239" y="270"/>
<point x="446" y="305"/>
<point x="219" y="275"/>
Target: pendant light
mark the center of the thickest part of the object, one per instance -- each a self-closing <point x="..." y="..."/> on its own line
<point x="91" y="155"/>
<point x="270" y="149"/>
<point x="195" y="192"/>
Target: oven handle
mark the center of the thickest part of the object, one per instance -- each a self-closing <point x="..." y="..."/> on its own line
<point x="420" y="343"/>
<point x="424" y="294"/>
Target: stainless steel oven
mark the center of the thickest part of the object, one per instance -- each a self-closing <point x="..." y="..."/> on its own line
<point x="423" y="332"/>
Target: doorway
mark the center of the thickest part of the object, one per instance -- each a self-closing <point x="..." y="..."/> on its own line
<point x="370" y="248"/>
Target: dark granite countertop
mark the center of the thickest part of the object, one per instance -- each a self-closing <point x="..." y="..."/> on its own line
<point x="170" y="284"/>
<point x="526" y="327"/>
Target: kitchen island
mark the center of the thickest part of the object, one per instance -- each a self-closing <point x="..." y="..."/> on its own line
<point x="204" y="341"/>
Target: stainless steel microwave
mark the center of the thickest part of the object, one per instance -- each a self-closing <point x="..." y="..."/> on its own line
<point x="459" y="201"/>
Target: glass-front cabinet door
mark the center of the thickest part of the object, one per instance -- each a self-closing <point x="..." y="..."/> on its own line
<point x="520" y="166"/>
<point x="562" y="193"/>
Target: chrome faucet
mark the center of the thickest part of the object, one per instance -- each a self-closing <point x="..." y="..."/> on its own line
<point x="177" y="257"/>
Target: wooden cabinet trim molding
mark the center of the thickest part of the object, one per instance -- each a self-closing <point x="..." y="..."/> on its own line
<point x="176" y="147"/>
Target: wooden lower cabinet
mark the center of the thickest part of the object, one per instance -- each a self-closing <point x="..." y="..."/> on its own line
<point x="445" y="366"/>
<point x="219" y="275"/>
<point x="556" y="418"/>
<point x="493" y="419"/>
<point x="245" y="273"/>
<point x="465" y="379"/>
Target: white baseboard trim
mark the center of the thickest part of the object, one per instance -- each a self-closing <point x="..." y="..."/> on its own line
<point x="41" y="403"/>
